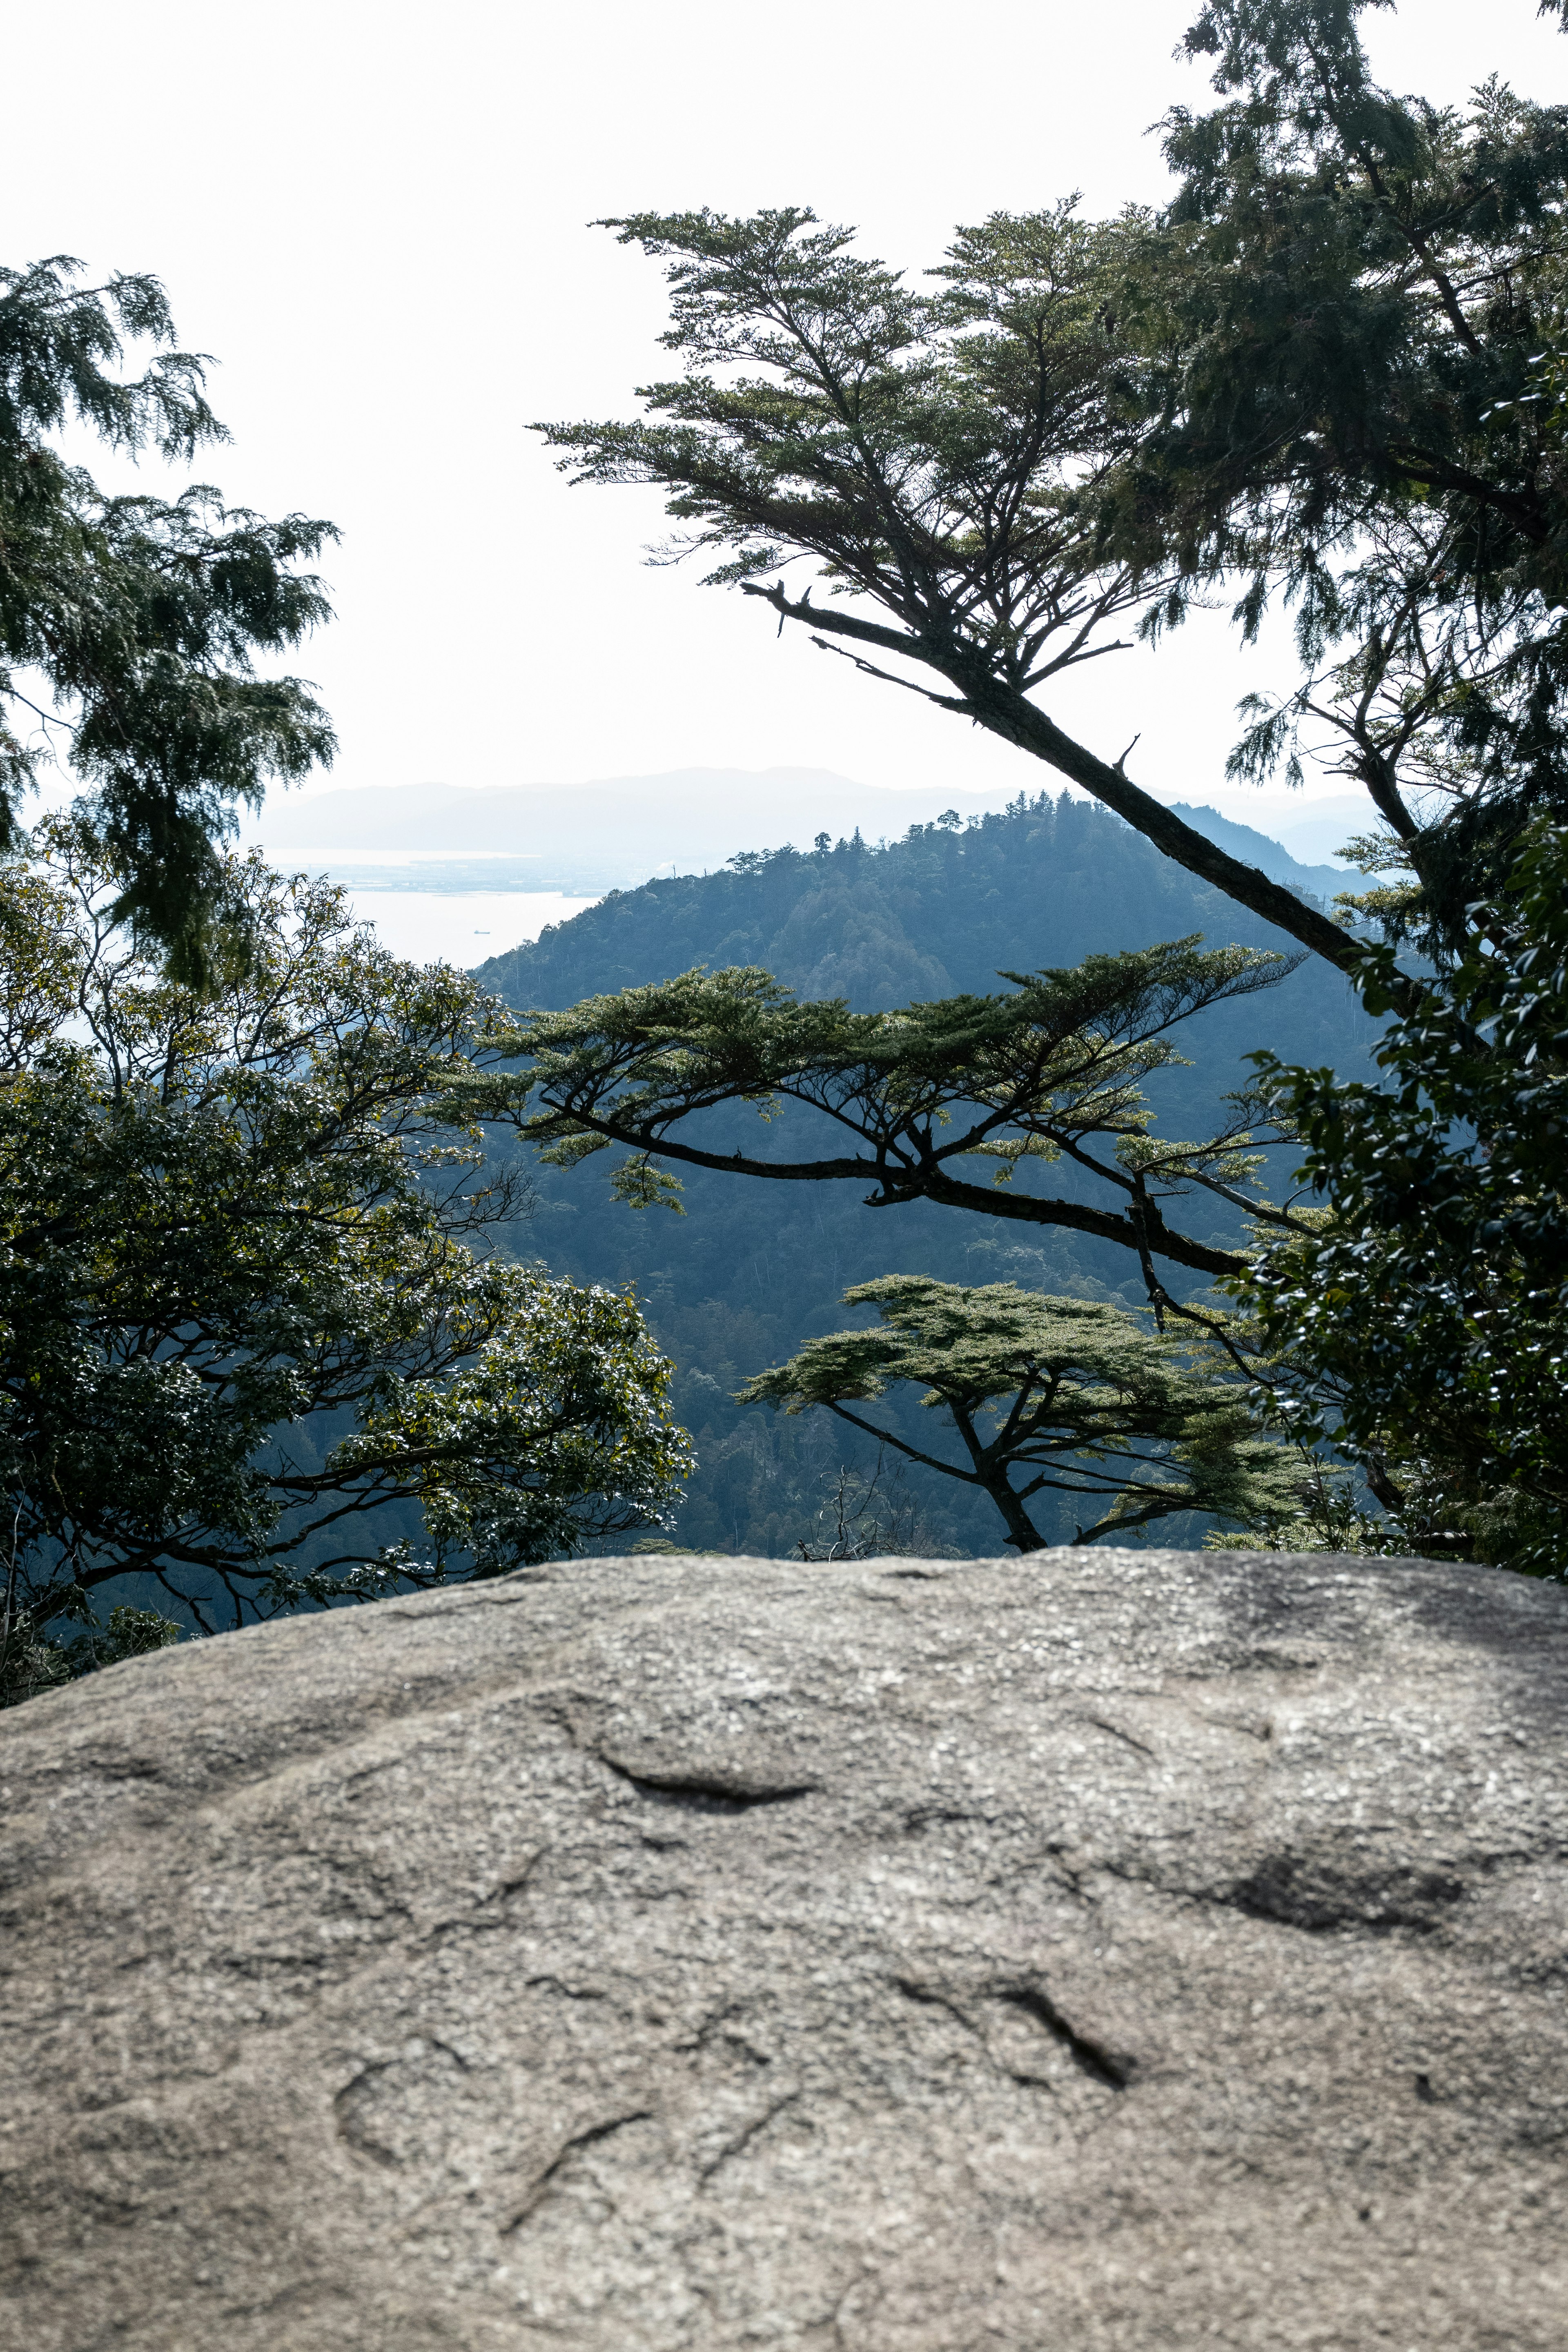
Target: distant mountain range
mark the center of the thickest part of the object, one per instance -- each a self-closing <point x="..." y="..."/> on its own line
<point x="584" y="838"/>
<point x="1270" y="856"/>
<point x="615" y="834"/>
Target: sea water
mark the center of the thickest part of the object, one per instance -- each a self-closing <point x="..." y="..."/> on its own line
<point x="460" y="927"/>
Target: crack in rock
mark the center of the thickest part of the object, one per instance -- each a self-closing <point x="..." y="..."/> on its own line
<point x="744" y="2138"/>
<point x="1114" y="2069"/>
<point x="348" y="2120"/>
<point x="704" y="1793"/>
<point x="546" y="2181"/>
<point x="1318" y="1902"/>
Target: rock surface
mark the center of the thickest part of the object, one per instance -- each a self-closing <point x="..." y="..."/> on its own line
<point x="1113" y="1952"/>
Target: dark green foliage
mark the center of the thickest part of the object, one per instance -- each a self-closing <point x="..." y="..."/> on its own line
<point x="252" y="1319"/>
<point x="905" y="1103"/>
<point x="1352" y="283"/>
<point x="755" y="1270"/>
<point x="910" y="1106"/>
<point x="1432" y="1308"/>
<point x="1352" y="323"/>
<point x="1335" y="372"/>
<point x="1046" y="1396"/>
<point x="30" y="1664"/>
<point x="143" y="616"/>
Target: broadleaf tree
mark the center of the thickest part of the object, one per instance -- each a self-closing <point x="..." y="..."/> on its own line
<point x="260" y="1340"/>
<point x="1426" y="1314"/>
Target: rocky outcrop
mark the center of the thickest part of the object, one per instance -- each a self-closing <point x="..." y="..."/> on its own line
<point x="1112" y="1951"/>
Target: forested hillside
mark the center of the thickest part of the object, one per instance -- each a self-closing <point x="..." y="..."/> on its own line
<point x="948" y="907"/>
<point x="753" y="1269"/>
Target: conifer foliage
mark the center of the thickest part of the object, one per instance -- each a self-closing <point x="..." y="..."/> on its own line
<point x="1044" y="1396"/>
<point x="1332" y="376"/>
<point x="1331" y="373"/>
<point x="1428" y="1309"/>
<point x="938" y="460"/>
<point x="950" y="1102"/>
<point x="131" y="626"/>
<point x="1352" y="321"/>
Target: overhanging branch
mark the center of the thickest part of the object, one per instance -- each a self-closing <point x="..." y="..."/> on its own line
<point x="1003" y="712"/>
<point x="895" y="1186"/>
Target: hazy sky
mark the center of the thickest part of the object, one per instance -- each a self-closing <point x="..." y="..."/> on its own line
<point x="375" y="218"/>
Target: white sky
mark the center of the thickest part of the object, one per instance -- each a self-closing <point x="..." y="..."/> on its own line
<point x="375" y="218"/>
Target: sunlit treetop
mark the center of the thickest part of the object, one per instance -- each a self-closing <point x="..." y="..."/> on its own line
<point x="937" y="456"/>
<point x="1333" y="372"/>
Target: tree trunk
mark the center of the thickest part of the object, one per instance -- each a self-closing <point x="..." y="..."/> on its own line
<point x="1004" y="711"/>
<point x="1022" y="1534"/>
<point x="1018" y="720"/>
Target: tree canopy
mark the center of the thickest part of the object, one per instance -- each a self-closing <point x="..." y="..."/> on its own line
<point x="253" y="1310"/>
<point x="1353" y="319"/>
<point x="1426" y="1317"/>
<point x="1044" y="1395"/>
<point x="919" y="1104"/>
<point x="939" y="459"/>
<point x="1331" y="373"/>
<point x="132" y="626"/>
<point x="753" y="1269"/>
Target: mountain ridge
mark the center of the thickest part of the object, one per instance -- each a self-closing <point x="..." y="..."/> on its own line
<point x="608" y="834"/>
<point x="1270" y="856"/>
<point x="615" y="832"/>
<point x="938" y="912"/>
